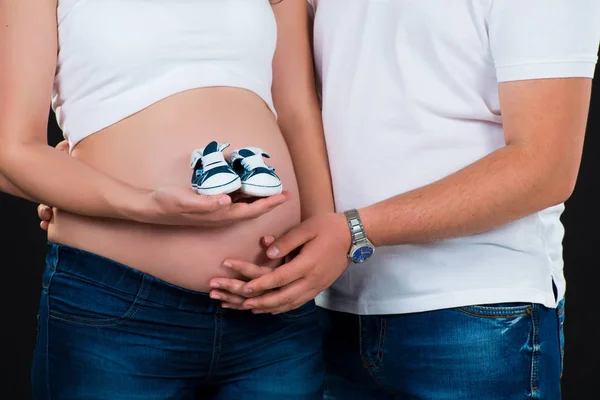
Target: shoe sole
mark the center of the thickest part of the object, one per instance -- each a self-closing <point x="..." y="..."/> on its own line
<point x="260" y="191"/>
<point x="222" y="189"/>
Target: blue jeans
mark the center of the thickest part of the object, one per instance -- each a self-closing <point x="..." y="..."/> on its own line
<point x="493" y="352"/>
<point x="110" y="332"/>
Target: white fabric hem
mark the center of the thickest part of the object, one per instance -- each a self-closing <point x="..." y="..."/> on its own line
<point x="431" y="303"/>
<point x="83" y="121"/>
<point x="564" y="69"/>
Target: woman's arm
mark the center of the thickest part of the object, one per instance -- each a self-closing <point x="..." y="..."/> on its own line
<point x="6" y="186"/>
<point x="28" y="51"/>
<point x="297" y="105"/>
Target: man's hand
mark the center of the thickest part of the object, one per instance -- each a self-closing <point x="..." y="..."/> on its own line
<point x="324" y="242"/>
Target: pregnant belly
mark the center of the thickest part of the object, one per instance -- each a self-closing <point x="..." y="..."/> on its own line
<point x="152" y="149"/>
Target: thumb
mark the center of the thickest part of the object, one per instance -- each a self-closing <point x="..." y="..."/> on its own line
<point x="194" y="203"/>
<point x="291" y="240"/>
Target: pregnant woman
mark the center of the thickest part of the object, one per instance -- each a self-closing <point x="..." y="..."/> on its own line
<point x="136" y="87"/>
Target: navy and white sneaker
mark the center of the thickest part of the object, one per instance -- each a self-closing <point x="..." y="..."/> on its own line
<point x="212" y="174"/>
<point x="258" y="178"/>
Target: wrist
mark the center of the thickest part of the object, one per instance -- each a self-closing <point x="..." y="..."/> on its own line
<point x="130" y="203"/>
<point x="361" y="248"/>
<point x="369" y="221"/>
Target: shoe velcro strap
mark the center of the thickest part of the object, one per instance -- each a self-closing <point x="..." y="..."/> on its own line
<point x="213" y="160"/>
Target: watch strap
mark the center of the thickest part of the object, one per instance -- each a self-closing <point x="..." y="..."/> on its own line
<point x="357" y="230"/>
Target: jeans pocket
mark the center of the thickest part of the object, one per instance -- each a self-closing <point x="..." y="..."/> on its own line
<point x="77" y="300"/>
<point x="560" y="314"/>
<point x="304" y="311"/>
<point x="500" y="311"/>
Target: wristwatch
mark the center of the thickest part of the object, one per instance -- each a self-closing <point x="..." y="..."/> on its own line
<point x="362" y="249"/>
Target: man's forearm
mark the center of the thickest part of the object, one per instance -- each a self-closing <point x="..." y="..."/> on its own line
<point x="506" y="185"/>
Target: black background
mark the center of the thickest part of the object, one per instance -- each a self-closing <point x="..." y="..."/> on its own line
<point x="23" y="246"/>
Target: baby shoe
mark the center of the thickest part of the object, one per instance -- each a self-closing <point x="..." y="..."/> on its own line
<point x="212" y="174"/>
<point x="258" y="178"/>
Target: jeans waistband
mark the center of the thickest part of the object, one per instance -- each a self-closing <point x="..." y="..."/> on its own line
<point x="120" y="277"/>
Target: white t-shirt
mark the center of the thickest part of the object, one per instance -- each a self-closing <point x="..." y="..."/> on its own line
<point x="410" y="95"/>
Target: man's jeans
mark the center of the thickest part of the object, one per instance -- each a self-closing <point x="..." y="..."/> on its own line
<point x="494" y="352"/>
<point x="110" y="332"/>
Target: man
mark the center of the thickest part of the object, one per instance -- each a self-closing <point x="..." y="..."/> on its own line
<point x="456" y="131"/>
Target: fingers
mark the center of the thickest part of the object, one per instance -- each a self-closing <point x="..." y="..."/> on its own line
<point x="44" y="225"/>
<point x="229" y="292"/>
<point x="280" y="277"/>
<point x="193" y="203"/>
<point x="267" y="241"/>
<point x="227" y="212"/>
<point x="291" y="240"/>
<point x="299" y="302"/>
<point x="229" y="300"/>
<point x="247" y="269"/>
<point x="230" y="286"/>
<point x="244" y="211"/>
<point x="287" y="298"/>
<point x="44" y="212"/>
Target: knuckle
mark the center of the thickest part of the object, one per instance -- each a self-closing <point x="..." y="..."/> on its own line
<point x="237" y="287"/>
<point x="279" y="281"/>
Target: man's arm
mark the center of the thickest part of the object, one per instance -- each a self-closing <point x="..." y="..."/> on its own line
<point x="296" y="101"/>
<point x="544" y="124"/>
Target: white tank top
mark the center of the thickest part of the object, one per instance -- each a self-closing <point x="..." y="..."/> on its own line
<point x="117" y="57"/>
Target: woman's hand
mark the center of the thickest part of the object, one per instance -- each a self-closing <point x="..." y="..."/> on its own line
<point x="182" y="206"/>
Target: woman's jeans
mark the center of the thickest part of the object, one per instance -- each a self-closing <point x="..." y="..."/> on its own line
<point x="494" y="352"/>
<point x="107" y="331"/>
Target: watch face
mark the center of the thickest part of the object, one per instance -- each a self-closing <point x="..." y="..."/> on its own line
<point x="362" y="254"/>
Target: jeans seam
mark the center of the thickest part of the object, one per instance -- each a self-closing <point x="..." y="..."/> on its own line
<point x="561" y="350"/>
<point x="129" y="314"/>
<point x="366" y="363"/>
<point x="535" y="339"/>
<point x="47" y="353"/>
<point x="217" y="341"/>
<point x="499" y="313"/>
<point x="381" y="344"/>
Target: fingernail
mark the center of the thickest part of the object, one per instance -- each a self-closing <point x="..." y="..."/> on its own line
<point x="215" y="296"/>
<point x="215" y="285"/>
<point x="273" y="252"/>
<point x="224" y="306"/>
<point x="224" y="200"/>
<point x="258" y="312"/>
<point x="248" y="290"/>
<point x="227" y="264"/>
<point x="249" y="306"/>
<point x="269" y="240"/>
